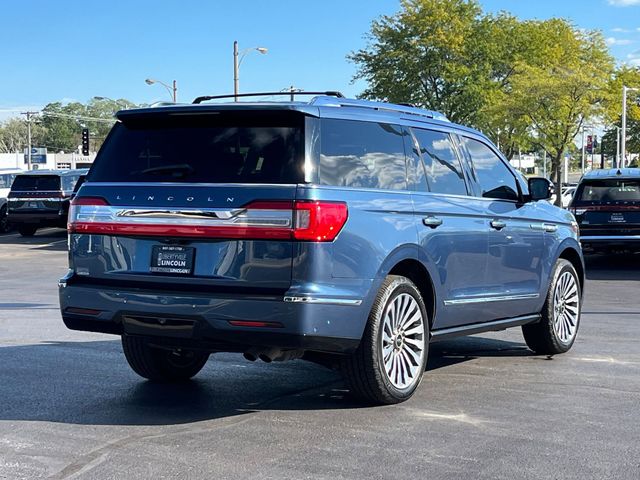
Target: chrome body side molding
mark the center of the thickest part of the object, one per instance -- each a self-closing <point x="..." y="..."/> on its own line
<point x="500" y="298"/>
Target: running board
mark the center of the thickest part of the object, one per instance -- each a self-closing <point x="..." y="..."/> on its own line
<point x="493" y="326"/>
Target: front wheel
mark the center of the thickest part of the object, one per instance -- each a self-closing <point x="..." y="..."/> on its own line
<point x="388" y="365"/>
<point x="161" y="365"/>
<point x="560" y="316"/>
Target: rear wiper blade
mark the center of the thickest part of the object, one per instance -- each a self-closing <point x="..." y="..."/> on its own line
<point x="181" y="168"/>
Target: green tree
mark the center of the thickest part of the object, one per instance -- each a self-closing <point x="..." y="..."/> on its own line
<point x="564" y="92"/>
<point x="63" y="129"/>
<point x="14" y="137"/>
<point x="429" y="54"/>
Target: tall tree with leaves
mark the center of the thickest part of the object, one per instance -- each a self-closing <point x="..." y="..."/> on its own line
<point x="429" y="54"/>
<point x="569" y="88"/>
<point x="13" y="135"/>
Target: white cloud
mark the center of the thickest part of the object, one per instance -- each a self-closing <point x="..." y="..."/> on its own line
<point x="623" y="3"/>
<point x="621" y="30"/>
<point x="634" y="62"/>
<point x="618" y="41"/>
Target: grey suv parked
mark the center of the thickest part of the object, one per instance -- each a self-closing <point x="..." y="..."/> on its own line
<point x="345" y="232"/>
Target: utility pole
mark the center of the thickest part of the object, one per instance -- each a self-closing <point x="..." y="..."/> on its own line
<point x="544" y="163"/>
<point x="29" y="114"/>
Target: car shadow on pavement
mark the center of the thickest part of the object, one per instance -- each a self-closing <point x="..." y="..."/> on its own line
<point x="46" y="239"/>
<point x="450" y="352"/>
<point x="613" y="267"/>
<point x="90" y="383"/>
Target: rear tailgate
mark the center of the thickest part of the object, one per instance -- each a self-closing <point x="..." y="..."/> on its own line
<point x="35" y="194"/>
<point x="606" y="207"/>
<point x="199" y="202"/>
<point x="173" y="235"/>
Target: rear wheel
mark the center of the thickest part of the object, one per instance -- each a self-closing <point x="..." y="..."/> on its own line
<point x="160" y="364"/>
<point x="27" y="230"/>
<point x="560" y="316"/>
<point x="4" y="220"/>
<point x="388" y="365"/>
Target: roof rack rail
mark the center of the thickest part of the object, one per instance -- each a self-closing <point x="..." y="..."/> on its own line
<point x="381" y="106"/>
<point x="204" y="98"/>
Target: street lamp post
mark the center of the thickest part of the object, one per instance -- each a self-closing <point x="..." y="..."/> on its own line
<point x="617" y="146"/>
<point x="237" y="61"/>
<point x="173" y="90"/>
<point x="623" y="143"/>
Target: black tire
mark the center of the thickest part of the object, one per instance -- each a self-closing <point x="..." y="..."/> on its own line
<point x="364" y="371"/>
<point x="27" y="230"/>
<point x="5" y="226"/>
<point x="543" y="337"/>
<point x="161" y="365"/>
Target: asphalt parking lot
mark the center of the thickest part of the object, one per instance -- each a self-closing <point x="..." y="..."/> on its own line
<point x="488" y="408"/>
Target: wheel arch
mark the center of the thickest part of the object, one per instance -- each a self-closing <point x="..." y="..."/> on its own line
<point x="415" y="271"/>
<point x="572" y="255"/>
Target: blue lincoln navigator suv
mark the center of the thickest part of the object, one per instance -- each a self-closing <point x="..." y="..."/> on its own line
<point x="346" y="232"/>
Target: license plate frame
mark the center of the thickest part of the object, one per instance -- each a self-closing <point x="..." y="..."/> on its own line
<point x="172" y="259"/>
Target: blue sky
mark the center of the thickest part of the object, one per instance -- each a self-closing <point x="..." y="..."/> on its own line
<point x="72" y="50"/>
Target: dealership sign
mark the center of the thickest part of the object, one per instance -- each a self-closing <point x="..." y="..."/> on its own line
<point x="38" y="155"/>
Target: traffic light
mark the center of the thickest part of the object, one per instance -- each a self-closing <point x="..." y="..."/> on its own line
<point x="85" y="142"/>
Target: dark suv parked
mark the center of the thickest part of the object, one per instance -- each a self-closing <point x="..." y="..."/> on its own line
<point x="607" y="207"/>
<point x="40" y="198"/>
<point x="346" y="232"/>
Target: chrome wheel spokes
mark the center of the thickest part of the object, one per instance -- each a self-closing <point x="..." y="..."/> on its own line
<point x="403" y="341"/>
<point x="566" y="307"/>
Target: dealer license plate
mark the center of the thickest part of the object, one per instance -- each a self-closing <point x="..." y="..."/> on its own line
<point x="172" y="259"/>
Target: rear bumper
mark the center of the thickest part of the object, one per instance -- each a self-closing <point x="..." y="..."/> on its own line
<point x="38" y="218"/>
<point x="203" y="320"/>
<point x="609" y="242"/>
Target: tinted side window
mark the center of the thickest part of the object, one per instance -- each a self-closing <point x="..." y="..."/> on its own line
<point x="444" y="172"/>
<point x="495" y="178"/>
<point x="362" y="154"/>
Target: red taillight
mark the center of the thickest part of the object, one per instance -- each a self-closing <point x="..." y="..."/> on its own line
<point x="319" y="221"/>
<point x="98" y="201"/>
<point x="78" y="202"/>
<point x="306" y="220"/>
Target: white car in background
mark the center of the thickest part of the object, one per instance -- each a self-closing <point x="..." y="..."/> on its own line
<point x="6" y="179"/>
<point x="567" y="195"/>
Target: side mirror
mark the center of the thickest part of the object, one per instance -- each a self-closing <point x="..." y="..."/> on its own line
<point x="539" y="188"/>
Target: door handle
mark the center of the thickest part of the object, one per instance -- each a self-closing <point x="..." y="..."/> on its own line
<point x="432" y="222"/>
<point x="545" y="227"/>
<point x="497" y="224"/>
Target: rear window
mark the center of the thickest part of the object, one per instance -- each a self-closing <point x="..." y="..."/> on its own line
<point x="608" y="191"/>
<point x="25" y="183"/>
<point x="254" y="147"/>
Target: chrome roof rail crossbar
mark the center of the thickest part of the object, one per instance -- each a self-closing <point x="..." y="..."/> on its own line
<point x="264" y="94"/>
<point x="381" y="106"/>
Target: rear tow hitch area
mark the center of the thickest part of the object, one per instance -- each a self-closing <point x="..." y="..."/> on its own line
<point x="269" y="355"/>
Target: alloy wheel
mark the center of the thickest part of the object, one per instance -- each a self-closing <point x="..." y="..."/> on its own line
<point x="566" y="307"/>
<point x="403" y="341"/>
